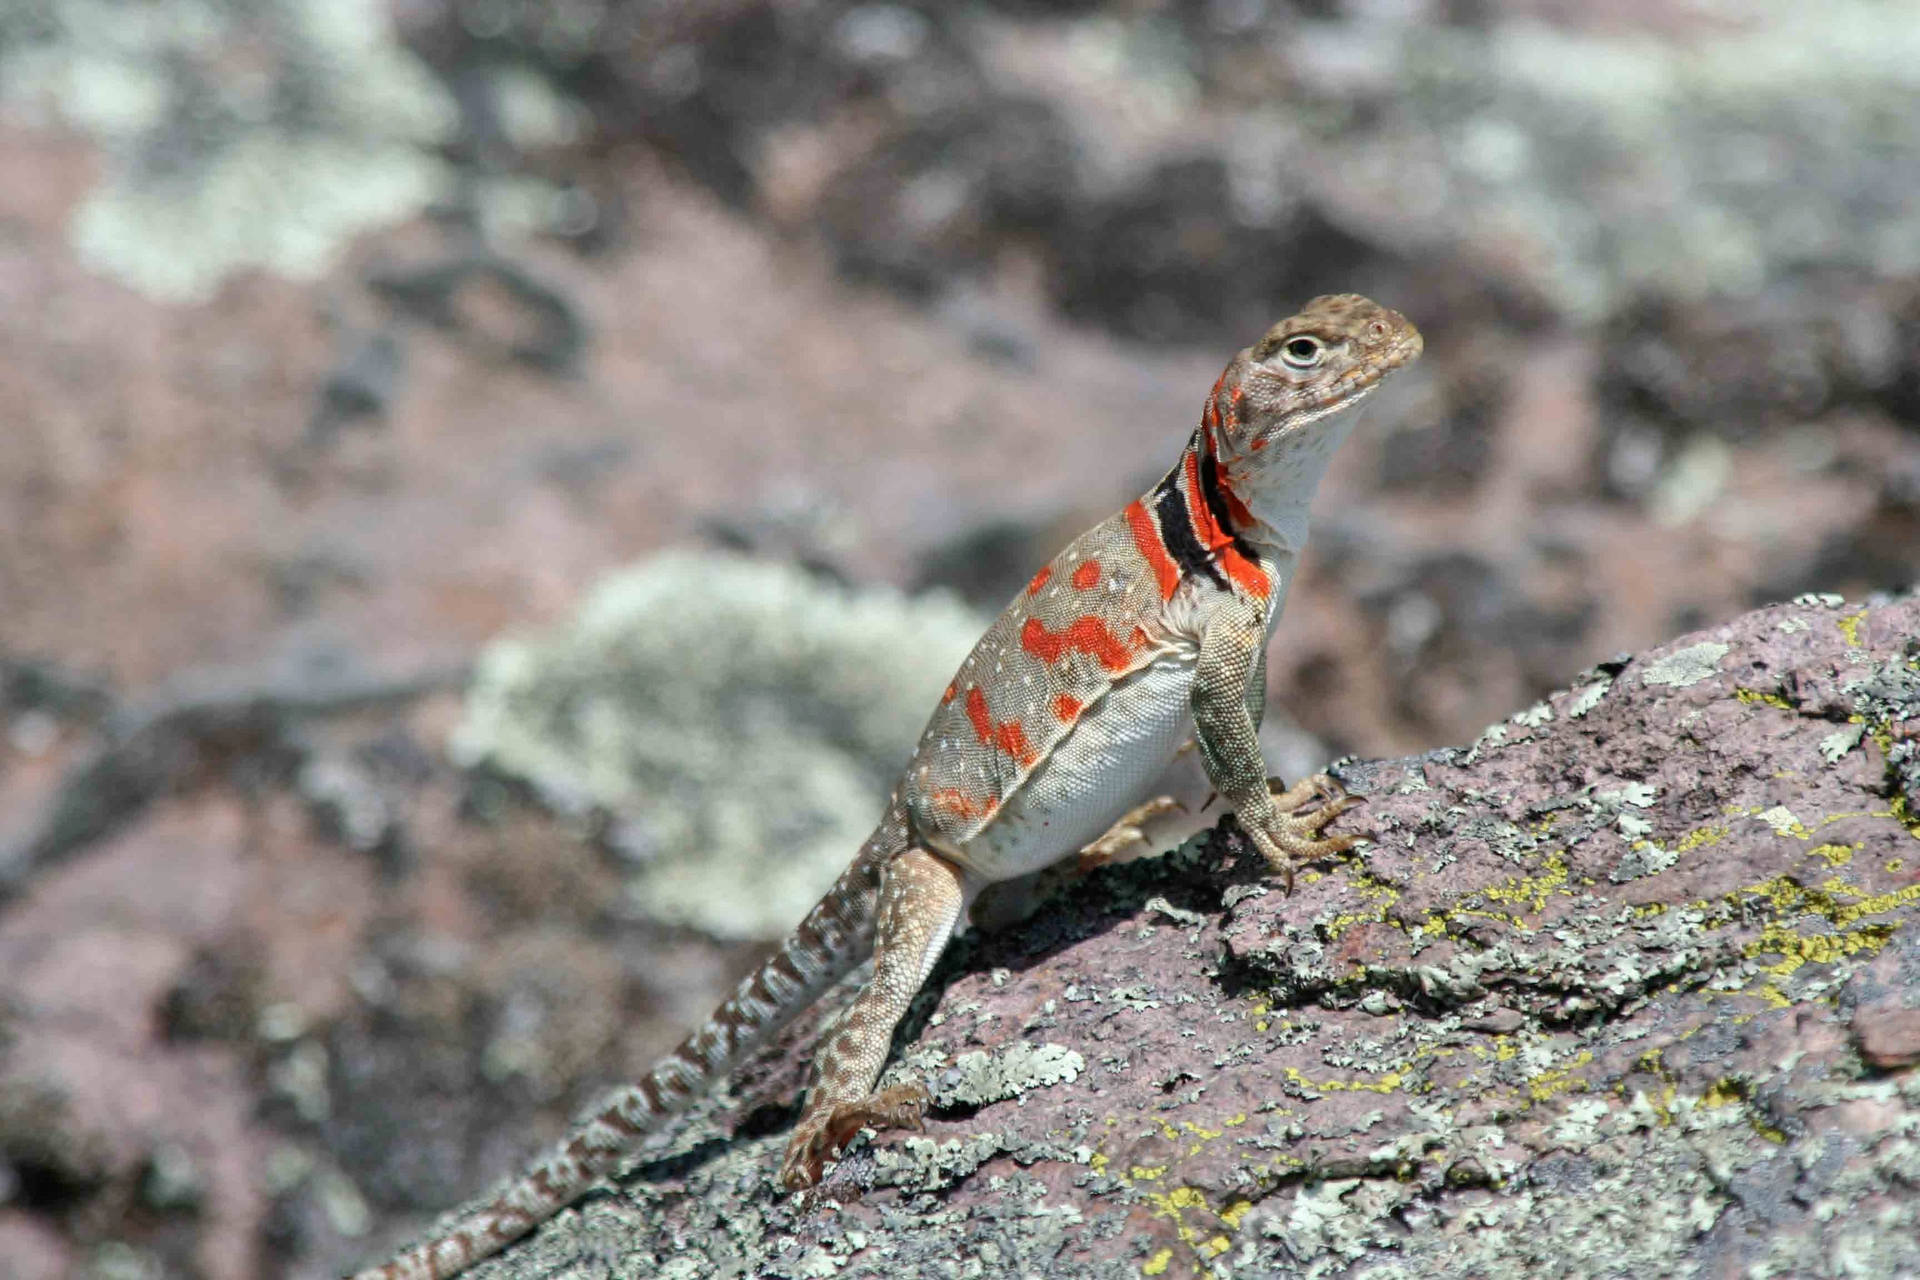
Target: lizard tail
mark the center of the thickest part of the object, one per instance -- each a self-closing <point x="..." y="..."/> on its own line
<point x="834" y="937"/>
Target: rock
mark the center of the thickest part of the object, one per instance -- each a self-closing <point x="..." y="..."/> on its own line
<point x="1464" y="1049"/>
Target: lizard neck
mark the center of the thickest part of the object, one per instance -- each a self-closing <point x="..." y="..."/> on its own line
<point x="1204" y="524"/>
<point x="1239" y="520"/>
<point x="1273" y="487"/>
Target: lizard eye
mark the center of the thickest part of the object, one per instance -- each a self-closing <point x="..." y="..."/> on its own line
<point x="1301" y="351"/>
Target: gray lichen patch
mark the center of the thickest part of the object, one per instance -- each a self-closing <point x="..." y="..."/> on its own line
<point x="740" y="721"/>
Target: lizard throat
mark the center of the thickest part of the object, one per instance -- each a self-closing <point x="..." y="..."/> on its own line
<point x="1273" y="487"/>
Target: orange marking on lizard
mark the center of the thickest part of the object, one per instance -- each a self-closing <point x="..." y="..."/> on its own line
<point x="1007" y="736"/>
<point x="1217" y="541"/>
<point x="1040" y="579"/>
<point x="977" y="712"/>
<point x="1236" y="510"/>
<point x="948" y="696"/>
<point x="1087" y="634"/>
<point x="1146" y="540"/>
<point x="1066" y="707"/>
<point x="1087" y="576"/>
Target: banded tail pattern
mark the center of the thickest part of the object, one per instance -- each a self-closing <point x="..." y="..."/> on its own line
<point x="835" y="936"/>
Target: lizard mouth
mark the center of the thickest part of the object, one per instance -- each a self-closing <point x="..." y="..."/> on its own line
<point x="1347" y="391"/>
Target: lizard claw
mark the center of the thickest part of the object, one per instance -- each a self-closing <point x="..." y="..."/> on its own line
<point x="1319" y="788"/>
<point x="821" y="1137"/>
<point x="1289" y="838"/>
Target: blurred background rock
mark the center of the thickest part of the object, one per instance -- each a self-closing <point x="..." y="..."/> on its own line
<point x="338" y="340"/>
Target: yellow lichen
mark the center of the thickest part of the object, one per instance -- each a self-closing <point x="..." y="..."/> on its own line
<point x="1391" y="1082"/>
<point x="1850" y="628"/>
<point x="1840" y="904"/>
<point x="1532" y="892"/>
<point x="1753" y="697"/>
<point x="1723" y="1093"/>
<point x="1700" y="839"/>
<point x="1903" y="814"/>
<point x="1157" y="1264"/>
<point x="1546" y="1085"/>
<point x="1836" y="855"/>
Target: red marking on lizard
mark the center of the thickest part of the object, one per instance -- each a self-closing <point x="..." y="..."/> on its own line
<point x="1008" y="735"/>
<point x="1066" y="707"/>
<point x="1087" y="576"/>
<point x="1040" y="579"/>
<point x="960" y="804"/>
<point x="1219" y="541"/>
<point x="1087" y="634"/>
<point x="1147" y="541"/>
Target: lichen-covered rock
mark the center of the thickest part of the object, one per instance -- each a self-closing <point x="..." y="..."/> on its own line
<point x="1471" y="1048"/>
<point x="741" y="721"/>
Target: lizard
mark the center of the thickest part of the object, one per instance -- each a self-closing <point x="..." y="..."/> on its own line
<point x="1147" y="631"/>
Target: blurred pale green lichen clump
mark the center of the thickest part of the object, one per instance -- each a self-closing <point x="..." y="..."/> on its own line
<point x="741" y="721"/>
<point x="236" y="133"/>
<point x="1751" y="140"/>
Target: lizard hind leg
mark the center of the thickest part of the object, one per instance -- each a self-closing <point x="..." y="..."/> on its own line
<point x="921" y="897"/>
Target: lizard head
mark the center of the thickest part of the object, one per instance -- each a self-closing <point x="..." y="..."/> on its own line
<point x="1313" y="365"/>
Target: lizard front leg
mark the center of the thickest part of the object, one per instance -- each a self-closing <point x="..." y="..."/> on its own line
<point x="921" y="896"/>
<point x="1229" y="691"/>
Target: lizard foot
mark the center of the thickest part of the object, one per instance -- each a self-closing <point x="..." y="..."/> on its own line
<point x="1127" y="831"/>
<point x="819" y="1137"/>
<point x="1289" y="839"/>
<point x="1318" y="787"/>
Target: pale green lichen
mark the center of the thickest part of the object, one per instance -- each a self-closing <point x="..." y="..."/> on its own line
<point x="1588" y="697"/>
<point x="234" y="136"/>
<point x="739" y="721"/>
<point x="1552" y="135"/>
<point x="1534" y="716"/>
<point x="979" y="1078"/>
<point x="1688" y="666"/>
<point x="1840" y="741"/>
<point x="1640" y="795"/>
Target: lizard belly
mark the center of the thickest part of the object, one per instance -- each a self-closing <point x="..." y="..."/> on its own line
<point x="1095" y="774"/>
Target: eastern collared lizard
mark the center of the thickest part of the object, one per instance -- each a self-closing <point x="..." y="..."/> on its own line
<point x="1149" y="629"/>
